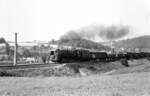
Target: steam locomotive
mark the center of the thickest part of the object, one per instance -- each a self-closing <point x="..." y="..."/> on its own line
<point x="68" y="55"/>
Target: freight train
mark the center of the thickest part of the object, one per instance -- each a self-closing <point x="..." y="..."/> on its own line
<point x="68" y="55"/>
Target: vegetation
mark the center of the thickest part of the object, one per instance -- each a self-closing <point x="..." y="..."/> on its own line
<point x="95" y="85"/>
<point x="132" y="81"/>
<point x="138" y="42"/>
<point x="7" y="47"/>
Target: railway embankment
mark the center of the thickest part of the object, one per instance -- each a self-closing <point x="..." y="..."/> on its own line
<point x="80" y="69"/>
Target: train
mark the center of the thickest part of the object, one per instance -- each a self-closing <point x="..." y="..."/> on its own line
<point x="79" y="55"/>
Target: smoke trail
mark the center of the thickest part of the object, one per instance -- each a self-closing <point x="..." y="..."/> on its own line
<point x="70" y="35"/>
<point x="114" y="32"/>
<point x="91" y="32"/>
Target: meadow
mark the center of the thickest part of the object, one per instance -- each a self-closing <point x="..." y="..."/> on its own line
<point x="135" y="84"/>
<point x="128" y="81"/>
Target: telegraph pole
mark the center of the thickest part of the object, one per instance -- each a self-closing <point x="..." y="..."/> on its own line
<point x="15" y="50"/>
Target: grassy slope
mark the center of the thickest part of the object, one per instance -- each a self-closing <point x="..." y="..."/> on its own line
<point x="142" y="65"/>
<point x="130" y="84"/>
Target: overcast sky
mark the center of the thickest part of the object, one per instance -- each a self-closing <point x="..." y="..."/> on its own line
<point x="48" y="19"/>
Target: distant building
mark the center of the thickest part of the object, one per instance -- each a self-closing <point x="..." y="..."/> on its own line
<point x="65" y="47"/>
<point x="28" y="44"/>
<point x="145" y="49"/>
<point x="53" y="46"/>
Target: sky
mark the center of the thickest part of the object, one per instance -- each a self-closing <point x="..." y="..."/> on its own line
<point x="49" y="19"/>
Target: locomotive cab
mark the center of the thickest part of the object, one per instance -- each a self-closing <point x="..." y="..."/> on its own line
<point x="52" y="56"/>
<point x="51" y="52"/>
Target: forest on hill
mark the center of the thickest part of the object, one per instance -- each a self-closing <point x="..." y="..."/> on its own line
<point x="138" y="42"/>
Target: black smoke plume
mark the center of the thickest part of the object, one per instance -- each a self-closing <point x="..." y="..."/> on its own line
<point x="70" y="36"/>
<point x="112" y="32"/>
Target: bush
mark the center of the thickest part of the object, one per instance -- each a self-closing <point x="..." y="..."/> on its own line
<point x="124" y="62"/>
<point x="7" y="73"/>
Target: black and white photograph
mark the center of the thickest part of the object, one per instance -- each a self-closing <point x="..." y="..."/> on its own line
<point x="74" y="47"/>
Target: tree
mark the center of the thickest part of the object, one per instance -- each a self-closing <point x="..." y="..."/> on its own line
<point x="26" y="53"/>
<point x="52" y="41"/>
<point x="7" y="47"/>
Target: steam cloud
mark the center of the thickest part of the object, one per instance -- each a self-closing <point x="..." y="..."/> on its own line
<point x="112" y="32"/>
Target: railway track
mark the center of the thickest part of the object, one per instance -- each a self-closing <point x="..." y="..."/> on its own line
<point x="27" y="66"/>
<point x="21" y="66"/>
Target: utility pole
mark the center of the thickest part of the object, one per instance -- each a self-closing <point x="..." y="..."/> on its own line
<point x="15" y="50"/>
<point x="112" y="47"/>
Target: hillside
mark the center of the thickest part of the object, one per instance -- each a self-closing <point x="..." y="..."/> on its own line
<point x="83" y="43"/>
<point x="138" y="42"/>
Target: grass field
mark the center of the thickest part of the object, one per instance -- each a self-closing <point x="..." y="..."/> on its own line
<point x="135" y="84"/>
<point x="132" y="82"/>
